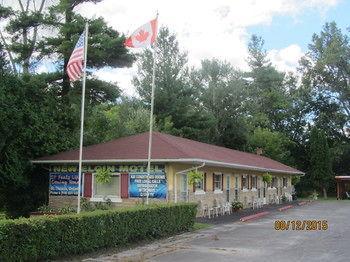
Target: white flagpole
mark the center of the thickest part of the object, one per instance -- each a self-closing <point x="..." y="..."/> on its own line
<point x="151" y="118"/>
<point x="82" y="115"/>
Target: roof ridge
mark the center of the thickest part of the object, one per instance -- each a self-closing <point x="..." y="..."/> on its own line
<point x="220" y="147"/>
<point x="163" y="137"/>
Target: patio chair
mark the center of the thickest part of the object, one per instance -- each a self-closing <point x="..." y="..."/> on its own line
<point x="216" y="207"/>
<point x="259" y="203"/>
<point x="204" y="210"/>
<point x="227" y="208"/>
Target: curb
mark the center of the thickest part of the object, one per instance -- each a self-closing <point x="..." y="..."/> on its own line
<point x="257" y="215"/>
<point x="302" y="203"/>
<point x="285" y="208"/>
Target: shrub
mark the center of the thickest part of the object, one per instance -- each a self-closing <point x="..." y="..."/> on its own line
<point x="66" y="210"/>
<point x="236" y="205"/>
<point x="51" y="236"/>
<point x="267" y="178"/>
<point x="103" y="176"/>
<point x="284" y="199"/>
<point x="45" y="208"/>
<point x="194" y="177"/>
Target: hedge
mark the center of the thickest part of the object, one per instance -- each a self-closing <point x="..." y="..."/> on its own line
<point x="56" y="236"/>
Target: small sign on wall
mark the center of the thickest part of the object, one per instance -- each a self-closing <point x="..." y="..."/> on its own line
<point x="64" y="184"/>
<point x="157" y="185"/>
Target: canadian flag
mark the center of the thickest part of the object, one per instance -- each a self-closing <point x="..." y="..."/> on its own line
<point x="143" y="36"/>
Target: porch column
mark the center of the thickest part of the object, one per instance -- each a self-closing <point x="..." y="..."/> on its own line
<point x="175" y="188"/>
<point x="338" y="190"/>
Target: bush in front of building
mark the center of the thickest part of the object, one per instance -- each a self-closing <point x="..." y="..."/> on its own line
<point x="236" y="205"/>
<point x="52" y="236"/>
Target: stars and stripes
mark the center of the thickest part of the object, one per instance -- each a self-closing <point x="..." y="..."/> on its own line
<point x="75" y="63"/>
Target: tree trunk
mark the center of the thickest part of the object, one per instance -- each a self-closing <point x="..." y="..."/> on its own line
<point x="324" y="192"/>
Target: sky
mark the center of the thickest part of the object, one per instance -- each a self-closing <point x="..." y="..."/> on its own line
<point x="222" y="28"/>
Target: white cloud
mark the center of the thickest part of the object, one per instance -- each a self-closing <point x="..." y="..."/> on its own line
<point x="122" y="76"/>
<point x="204" y="28"/>
<point x="286" y="59"/>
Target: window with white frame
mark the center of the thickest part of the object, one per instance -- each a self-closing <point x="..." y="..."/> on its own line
<point x="218" y="182"/>
<point x="244" y="182"/>
<point x="274" y="181"/>
<point x="109" y="190"/>
<point x="199" y="185"/>
<point x="254" y="182"/>
<point x="285" y="182"/>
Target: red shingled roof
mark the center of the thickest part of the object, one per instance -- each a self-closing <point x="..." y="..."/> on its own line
<point x="168" y="148"/>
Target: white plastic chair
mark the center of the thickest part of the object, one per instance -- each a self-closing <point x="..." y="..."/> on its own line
<point x="227" y="208"/>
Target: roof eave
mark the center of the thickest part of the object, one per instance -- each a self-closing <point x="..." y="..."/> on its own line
<point x="179" y="160"/>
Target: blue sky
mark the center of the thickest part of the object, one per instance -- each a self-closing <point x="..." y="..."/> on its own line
<point x="285" y="30"/>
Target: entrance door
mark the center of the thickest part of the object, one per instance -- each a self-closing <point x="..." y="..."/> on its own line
<point x="183" y="187"/>
<point x="227" y="188"/>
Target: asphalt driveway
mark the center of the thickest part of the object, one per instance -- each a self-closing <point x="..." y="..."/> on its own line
<point x="256" y="240"/>
<point x="259" y="241"/>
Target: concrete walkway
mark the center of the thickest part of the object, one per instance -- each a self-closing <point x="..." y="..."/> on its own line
<point x="256" y="240"/>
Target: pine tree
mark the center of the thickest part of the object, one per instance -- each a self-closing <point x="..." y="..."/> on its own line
<point x="320" y="170"/>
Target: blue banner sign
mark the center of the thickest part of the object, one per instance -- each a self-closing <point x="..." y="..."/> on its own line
<point x="157" y="185"/>
<point x="64" y="184"/>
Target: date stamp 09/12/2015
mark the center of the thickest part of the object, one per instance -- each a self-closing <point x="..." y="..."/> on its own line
<point x="308" y="225"/>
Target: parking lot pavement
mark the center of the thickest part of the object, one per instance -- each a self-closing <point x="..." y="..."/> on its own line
<point x="259" y="241"/>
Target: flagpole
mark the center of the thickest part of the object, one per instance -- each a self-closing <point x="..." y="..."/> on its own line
<point x="82" y="115"/>
<point x="151" y="119"/>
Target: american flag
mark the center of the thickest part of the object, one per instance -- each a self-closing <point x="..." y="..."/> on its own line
<point x="75" y="63"/>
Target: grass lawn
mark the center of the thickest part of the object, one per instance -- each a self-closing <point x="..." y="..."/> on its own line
<point x="198" y="226"/>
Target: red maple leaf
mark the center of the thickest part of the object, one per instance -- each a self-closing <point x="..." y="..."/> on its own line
<point x="142" y="35"/>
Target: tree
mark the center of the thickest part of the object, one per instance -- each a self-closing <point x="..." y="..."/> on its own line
<point x="28" y="129"/>
<point x="320" y="170"/>
<point x="222" y="92"/>
<point x="326" y="65"/>
<point x="28" y="44"/>
<point x="111" y="121"/>
<point x="274" y="144"/>
<point x="269" y="103"/>
<point x="3" y="62"/>
<point x="175" y="108"/>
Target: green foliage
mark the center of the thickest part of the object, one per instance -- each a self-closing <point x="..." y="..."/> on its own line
<point x="45" y="208"/>
<point x="274" y="144"/>
<point x="103" y="176"/>
<point x="29" y="129"/>
<point x="295" y="180"/>
<point x="267" y="178"/>
<point x="66" y="210"/>
<point x="176" y="108"/>
<point x="48" y="237"/>
<point x="194" y="177"/>
<point x="320" y="170"/>
<point x="106" y="122"/>
<point x="222" y="96"/>
<point x="236" y="205"/>
<point x="326" y="66"/>
<point x="284" y="199"/>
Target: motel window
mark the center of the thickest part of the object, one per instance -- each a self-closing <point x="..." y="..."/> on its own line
<point x="274" y="182"/>
<point x="254" y="182"/>
<point x="217" y="181"/>
<point x="244" y="182"/>
<point x="109" y="190"/>
<point x="285" y="181"/>
<point x="199" y="185"/>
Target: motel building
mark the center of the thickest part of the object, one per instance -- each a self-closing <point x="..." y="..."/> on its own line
<point x="229" y="175"/>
